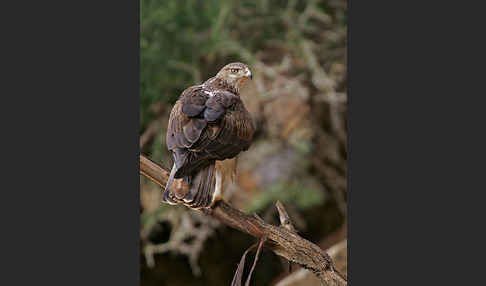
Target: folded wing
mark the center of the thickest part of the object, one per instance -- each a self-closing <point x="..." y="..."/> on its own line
<point x="205" y="126"/>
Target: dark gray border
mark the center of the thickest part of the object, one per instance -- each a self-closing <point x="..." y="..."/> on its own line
<point x="414" y="166"/>
<point x="70" y="215"/>
<point x="70" y="189"/>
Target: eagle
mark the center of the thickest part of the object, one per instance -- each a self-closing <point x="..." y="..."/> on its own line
<point x="208" y="127"/>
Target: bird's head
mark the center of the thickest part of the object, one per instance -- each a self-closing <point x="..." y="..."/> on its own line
<point x="235" y="74"/>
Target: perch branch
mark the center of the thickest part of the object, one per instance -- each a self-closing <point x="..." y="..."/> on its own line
<point x="283" y="240"/>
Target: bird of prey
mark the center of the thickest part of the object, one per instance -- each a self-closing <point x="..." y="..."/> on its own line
<point x="208" y="127"/>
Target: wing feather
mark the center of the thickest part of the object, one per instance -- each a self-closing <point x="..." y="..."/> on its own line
<point x="207" y="126"/>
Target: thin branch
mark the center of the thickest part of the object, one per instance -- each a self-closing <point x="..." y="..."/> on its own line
<point x="280" y="239"/>
<point x="284" y="217"/>
<point x="257" y="255"/>
<point x="238" y="277"/>
<point x="149" y="133"/>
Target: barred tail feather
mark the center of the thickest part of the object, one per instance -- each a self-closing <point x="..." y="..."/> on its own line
<point x="200" y="191"/>
<point x="202" y="188"/>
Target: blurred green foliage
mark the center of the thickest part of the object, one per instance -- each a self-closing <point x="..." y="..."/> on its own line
<point x="183" y="42"/>
<point x="176" y="37"/>
<point x="302" y="195"/>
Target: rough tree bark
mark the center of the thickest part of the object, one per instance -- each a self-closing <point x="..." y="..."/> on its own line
<point x="283" y="239"/>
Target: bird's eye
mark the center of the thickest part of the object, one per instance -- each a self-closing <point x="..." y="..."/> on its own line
<point x="234" y="70"/>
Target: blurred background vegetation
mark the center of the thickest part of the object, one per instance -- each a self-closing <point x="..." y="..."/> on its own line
<point x="298" y="100"/>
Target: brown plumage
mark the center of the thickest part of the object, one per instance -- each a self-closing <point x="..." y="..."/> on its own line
<point x="208" y="127"/>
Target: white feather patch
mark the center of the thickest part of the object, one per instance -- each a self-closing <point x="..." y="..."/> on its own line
<point x="210" y="93"/>
<point x="217" y="188"/>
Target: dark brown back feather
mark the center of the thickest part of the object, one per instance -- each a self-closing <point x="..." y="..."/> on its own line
<point x="208" y="122"/>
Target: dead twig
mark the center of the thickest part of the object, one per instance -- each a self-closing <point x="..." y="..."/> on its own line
<point x="237" y="279"/>
<point x="149" y="133"/>
<point x="280" y="239"/>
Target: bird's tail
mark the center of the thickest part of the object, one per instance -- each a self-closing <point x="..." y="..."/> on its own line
<point x="195" y="191"/>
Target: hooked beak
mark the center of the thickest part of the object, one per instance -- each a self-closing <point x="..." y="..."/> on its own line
<point x="248" y="74"/>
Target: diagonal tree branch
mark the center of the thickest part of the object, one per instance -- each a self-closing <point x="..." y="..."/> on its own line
<point x="283" y="240"/>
